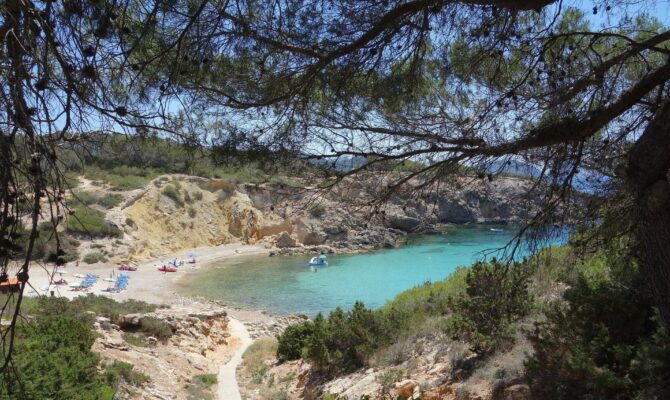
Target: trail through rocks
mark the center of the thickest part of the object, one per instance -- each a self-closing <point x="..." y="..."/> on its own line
<point x="227" y="386"/>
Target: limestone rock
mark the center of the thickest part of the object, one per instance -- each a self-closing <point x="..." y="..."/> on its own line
<point x="285" y="240"/>
<point x="116" y="344"/>
<point x="405" y="388"/>
<point x="405" y="223"/>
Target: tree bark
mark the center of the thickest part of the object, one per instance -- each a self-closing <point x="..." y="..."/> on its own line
<point x="648" y="166"/>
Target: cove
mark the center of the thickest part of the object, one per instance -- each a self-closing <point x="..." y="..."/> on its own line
<point x="285" y="284"/>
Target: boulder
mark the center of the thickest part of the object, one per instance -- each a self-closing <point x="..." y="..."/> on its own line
<point x="405" y="388"/>
<point x="405" y="223"/>
<point x="131" y="320"/>
<point x="285" y="240"/>
<point x="314" y="238"/>
<point x="116" y="344"/>
<point x="516" y="392"/>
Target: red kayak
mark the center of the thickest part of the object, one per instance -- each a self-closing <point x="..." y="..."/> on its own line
<point x="127" y="267"/>
<point x="166" y="269"/>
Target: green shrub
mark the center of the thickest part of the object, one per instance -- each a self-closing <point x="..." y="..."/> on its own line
<point x="130" y="222"/>
<point x="157" y="328"/>
<point x="110" y="201"/>
<point x="45" y="245"/>
<point x="121" y="177"/>
<point x="123" y="183"/>
<point x="206" y="379"/>
<point x="122" y="371"/>
<point x="81" y="306"/>
<point x="317" y="210"/>
<point x="341" y="343"/>
<point x="197" y="196"/>
<point x="187" y="197"/>
<point x="85" y="198"/>
<point x="173" y="193"/>
<point x="608" y="342"/>
<point x="90" y="222"/>
<point x="92" y="258"/>
<point x="134" y="339"/>
<point x="52" y="359"/>
<point x="496" y="296"/>
<point x="293" y="340"/>
<point x="192" y="212"/>
<point x="107" y="307"/>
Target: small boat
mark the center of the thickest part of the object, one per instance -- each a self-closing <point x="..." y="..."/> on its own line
<point x="166" y="268"/>
<point x="319" y="261"/>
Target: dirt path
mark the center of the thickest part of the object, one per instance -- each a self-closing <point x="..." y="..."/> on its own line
<point x="227" y="386"/>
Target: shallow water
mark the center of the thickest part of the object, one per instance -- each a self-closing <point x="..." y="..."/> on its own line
<point x="287" y="285"/>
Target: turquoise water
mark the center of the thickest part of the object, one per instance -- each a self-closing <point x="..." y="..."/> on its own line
<point x="287" y="285"/>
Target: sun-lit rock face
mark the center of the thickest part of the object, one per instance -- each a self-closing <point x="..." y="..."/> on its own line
<point x="209" y="212"/>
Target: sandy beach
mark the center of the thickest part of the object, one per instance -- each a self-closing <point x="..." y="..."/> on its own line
<point x="146" y="284"/>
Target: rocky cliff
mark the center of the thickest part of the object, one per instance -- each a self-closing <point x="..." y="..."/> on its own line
<point x="206" y="212"/>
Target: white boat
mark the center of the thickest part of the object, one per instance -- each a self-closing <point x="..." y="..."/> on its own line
<point x="319" y="261"/>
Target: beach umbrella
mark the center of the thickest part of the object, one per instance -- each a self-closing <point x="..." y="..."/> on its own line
<point x="61" y="272"/>
<point x="75" y="284"/>
<point x="109" y="280"/>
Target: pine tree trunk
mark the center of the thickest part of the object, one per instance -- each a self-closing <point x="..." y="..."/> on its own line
<point x="648" y="166"/>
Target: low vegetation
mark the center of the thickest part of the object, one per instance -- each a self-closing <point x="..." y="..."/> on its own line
<point x="600" y="339"/>
<point x="120" y="371"/>
<point x="200" y="387"/>
<point x="172" y="192"/>
<point x="84" y="198"/>
<point x="255" y="357"/>
<point x="53" y="357"/>
<point x="92" y="258"/>
<point x="46" y="248"/>
<point x="87" y="221"/>
<point x="155" y="327"/>
<point x="317" y="210"/>
<point x="501" y="290"/>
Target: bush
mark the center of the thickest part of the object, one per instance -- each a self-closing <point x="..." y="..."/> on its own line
<point x="92" y="258"/>
<point x="341" y="343"/>
<point x="130" y="222"/>
<point x="192" y="212"/>
<point x="53" y="360"/>
<point x="607" y="343"/>
<point x="317" y="210"/>
<point x="173" y="193"/>
<point x="294" y="339"/>
<point x="45" y="245"/>
<point x="80" y="306"/>
<point x="206" y="379"/>
<point x="122" y="371"/>
<point x="157" y="328"/>
<point x="134" y="339"/>
<point x="110" y="308"/>
<point x="197" y="196"/>
<point x="110" y="201"/>
<point x="496" y="296"/>
<point x="85" y="198"/>
<point x="87" y="221"/>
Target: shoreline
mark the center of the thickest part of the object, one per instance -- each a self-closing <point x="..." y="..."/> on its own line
<point x="147" y="284"/>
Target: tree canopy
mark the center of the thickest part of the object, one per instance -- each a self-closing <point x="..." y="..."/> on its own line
<point x="454" y="86"/>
